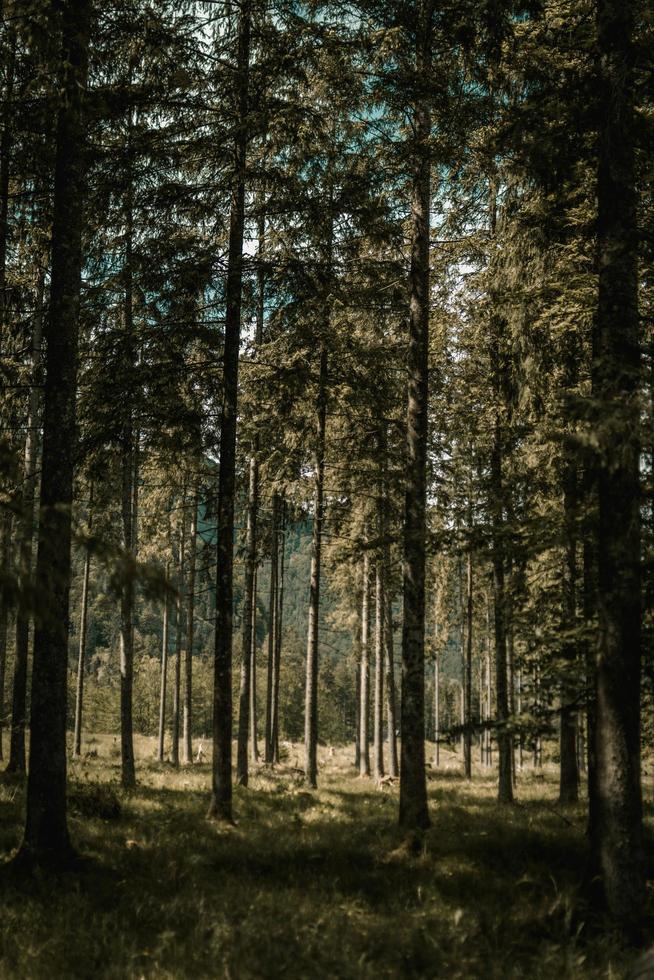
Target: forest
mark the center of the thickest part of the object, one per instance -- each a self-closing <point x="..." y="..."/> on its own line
<point x="326" y="489"/>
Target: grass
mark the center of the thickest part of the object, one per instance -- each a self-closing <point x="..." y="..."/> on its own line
<point x="308" y="884"/>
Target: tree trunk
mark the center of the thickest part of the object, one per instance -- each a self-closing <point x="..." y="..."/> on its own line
<point x="505" y="786"/>
<point x="364" y="675"/>
<point x="413" y="785"/>
<point x="569" y="773"/>
<point x="46" y="839"/>
<point x="615" y="380"/>
<point x="246" y="656"/>
<point x="278" y="632"/>
<point x="467" y="735"/>
<point x="378" y="718"/>
<point x="187" y="734"/>
<point x="254" y="734"/>
<point x="164" y="671"/>
<point x="127" y="593"/>
<point x="83" y="620"/>
<point x="25" y="544"/>
<point x="311" y="691"/>
<point x="5" y="571"/>
<point x="437" y="711"/>
<point x="272" y="632"/>
<point x="179" y="632"/>
<point x="391" y="713"/>
<point x="221" y="797"/>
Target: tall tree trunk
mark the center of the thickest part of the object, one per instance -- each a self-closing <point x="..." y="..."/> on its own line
<point x="254" y="732"/>
<point x="311" y="691"/>
<point x="179" y="633"/>
<point x="378" y="716"/>
<point x="364" y="676"/>
<point x="83" y="621"/>
<point x="164" y="669"/>
<point x="187" y="734"/>
<point x="127" y="452"/>
<point x="437" y="710"/>
<point x="25" y="536"/>
<point x="46" y="837"/>
<point x="569" y="772"/>
<point x="391" y="714"/>
<point x="281" y="548"/>
<point x="505" y="786"/>
<point x="272" y="632"/>
<point x="221" y="796"/>
<point x="5" y="571"/>
<point x="413" y="785"/>
<point x="467" y="735"/>
<point x="248" y="606"/>
<point x="616" y="379"/>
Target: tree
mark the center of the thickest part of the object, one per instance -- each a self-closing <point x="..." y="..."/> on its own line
<point x="46" y="839"/>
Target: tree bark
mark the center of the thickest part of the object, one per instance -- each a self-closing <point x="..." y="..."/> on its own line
<point x="391" y="713"/>
<point x="46" y="839"/>
<point x="615" y="381"/>
<point x="25" y="542"/>
<point x="254" y="733"/>
<point x="83" y="621"/>
<point x="467" y="734"/>
<point x="413" y="812"/>
<point x="311" y="691"/>
<point x="278" y="631"/>
<point x="272" y="632"/>
<point x="364" y="672"/>
<point x="5" y="571"/>
<point x="248" y="605"/>
<point x="164" y="671"/>
<point x="221" y="796"/>
<point x="378" y="717"/>
<point x="569" y="772"/>
<point x="187" y="734"/>
<point x="179" y="632"/>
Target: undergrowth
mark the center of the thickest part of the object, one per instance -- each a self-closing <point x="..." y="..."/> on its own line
<point x="308" y="884"/>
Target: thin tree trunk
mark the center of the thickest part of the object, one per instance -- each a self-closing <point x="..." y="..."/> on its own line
<point x="437" y="711"/>
<point x="246" y="655"/>
<point x="46" y="839"/>
<point x="616" y="379"/>
<point x="187" y="734"/>
<point x="127" y="593"/>
<point x="272" y="632"/>
<point x="364" y="675"/>
<point x="5" y="571"/>
<point x="278" y="632"/>
<point x="569" y="772"/>
<point x="391" y="713"/>
<point x="378" y="718"/>
<point x="254" y="734"/>
<point x="164" y="671"/>
<point x="505" y="785"/>
<point x="83" y="621"/>
<point x="311" y="691"/>
<point x="467" y="736"/>
<point x="221" y="796"/>
<point x="25" y="536"/>
<point x="179" y="632"/>
<point x="413" y="812"/>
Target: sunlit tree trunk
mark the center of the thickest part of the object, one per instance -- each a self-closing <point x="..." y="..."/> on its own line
<point x="164" y="669"/>
<point x="187" y="734"/>
<point x="364" y="671"/>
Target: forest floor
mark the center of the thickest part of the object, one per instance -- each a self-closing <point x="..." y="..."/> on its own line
<point x="307" y="884"/>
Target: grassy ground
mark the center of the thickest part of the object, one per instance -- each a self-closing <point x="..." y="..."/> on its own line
<point x="308" y="884"/>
